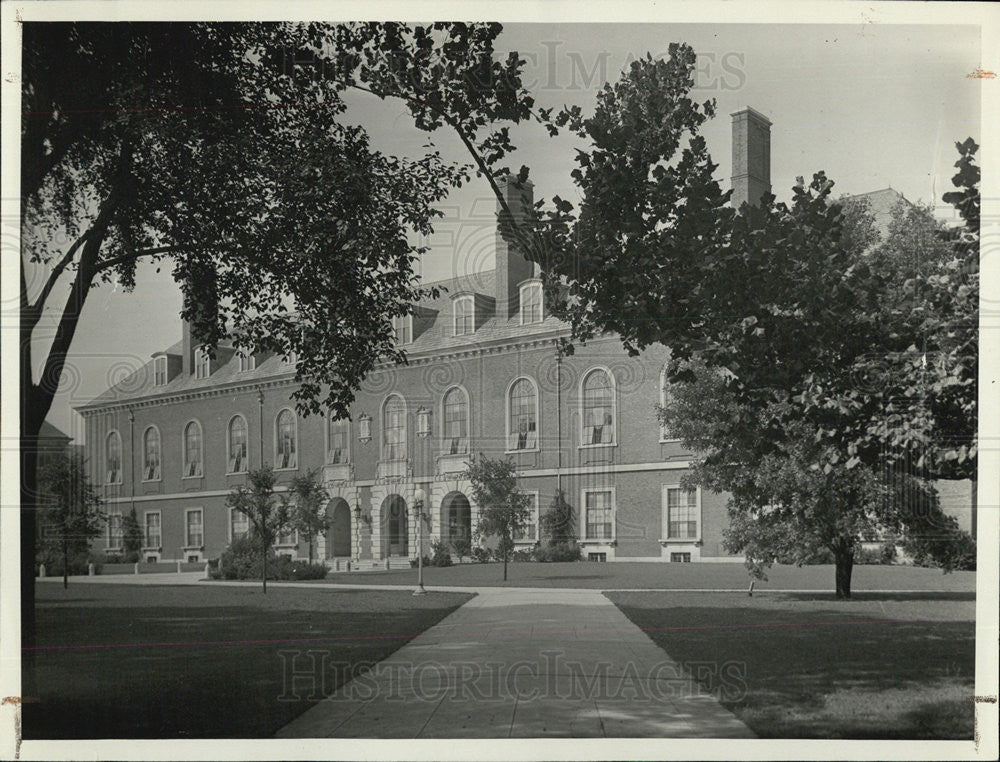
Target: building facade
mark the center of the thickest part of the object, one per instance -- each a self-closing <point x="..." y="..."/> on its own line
<point x="175" y="438"/>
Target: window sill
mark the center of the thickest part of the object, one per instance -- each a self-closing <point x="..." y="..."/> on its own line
<point x="151" y="548"/>
<point x="151" y="481"/>
<point x="113" y="484"/>
<point x="114" y="549"/>
<point x="596" y="446"/>
<point x="199" y="476"/>
<point x="680" y="541"/>
<point x="670" y="441"/>
<point x="287" y="468"/>
<point x="193" y="547"/>
<point x="236" y="473"/>
<point x="593" y="541"/>
<point x="516" y="452"/>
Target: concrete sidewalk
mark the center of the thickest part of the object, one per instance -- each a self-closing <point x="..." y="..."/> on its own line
<point x="523" y="663"/>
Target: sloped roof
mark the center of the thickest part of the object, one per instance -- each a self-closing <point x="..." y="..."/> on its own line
<point x="437" y="337"/>
<point x="48" y="431"/>
<point x="880" y="204"/>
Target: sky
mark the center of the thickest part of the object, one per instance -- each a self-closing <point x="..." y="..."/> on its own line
<point x="873" y="106"/>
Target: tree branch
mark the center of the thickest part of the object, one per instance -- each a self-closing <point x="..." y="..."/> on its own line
<point x="114" y="262"/>
<point x="35" y="309"/>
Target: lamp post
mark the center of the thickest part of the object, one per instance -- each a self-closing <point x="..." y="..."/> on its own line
<point x="418" y="505"/>
<point x="357" y="525"/>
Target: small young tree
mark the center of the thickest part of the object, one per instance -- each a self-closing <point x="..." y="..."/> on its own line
<point x="131" y="537"/>
<point x="558" y="522"/>
<point x="268" y="514"/>
<point x="503" y="510"/>
<point x="308" y="512"/>
<point x="71" y="508"/>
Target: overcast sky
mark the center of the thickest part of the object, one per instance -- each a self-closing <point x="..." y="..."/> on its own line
<point x="873" y="106"/>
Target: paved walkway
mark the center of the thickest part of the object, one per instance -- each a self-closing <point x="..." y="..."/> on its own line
<point x="523" y="663"/>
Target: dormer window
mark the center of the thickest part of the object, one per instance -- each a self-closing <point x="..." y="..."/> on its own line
<point x="465" y="316"/>
<point x="202" y="363"/>
<point x="247" y="362"/>
<point x="403" y="326"/>
<point x="160" y="370"/>
<point x="531" y="303"/>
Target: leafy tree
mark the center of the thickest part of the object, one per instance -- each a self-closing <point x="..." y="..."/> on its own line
<point x="503" y="510"/>
<point x="558" y="521"/>
<point x="71" y="507"/>
<point x="309" y="500"/>
<point x="269" y="515"/>
<point x="131" y="537"/>
<point x="786" y="300"/>
<point x="220" y="151"/>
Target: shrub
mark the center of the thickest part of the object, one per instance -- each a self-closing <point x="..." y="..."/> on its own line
<point x="523" y="554"/>
<point x="52" y="557"/>
<point x="557" y="552"/>
<point x="241" y="560"/>
<point x="442" y="556"/>
<point x="462" y="547"/>
<point x="482" y="554"/>
<point x="414" y="564"/>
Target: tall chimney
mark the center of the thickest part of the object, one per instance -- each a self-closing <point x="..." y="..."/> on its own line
<point x="751" y="157"/>
<point x="511" y="266"/>
<point x="187" y="348"/>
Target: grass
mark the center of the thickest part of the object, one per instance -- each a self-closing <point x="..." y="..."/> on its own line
<point x="124" y="661"/>
<point x="637" y="575"/>
<point x="809" y="666"/>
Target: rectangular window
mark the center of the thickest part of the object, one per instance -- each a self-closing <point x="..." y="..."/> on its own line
<point x="464" y="316"/>
<point x="239" y="523"/>
<point x="530" y="530"/>
<point x="531" y="303"/>
<point x="247" y="363"/>
<point x="114" y="530"/>
<point x="403" y="326"/>
<point x="680" y="558"/>
<point x="336" y="446"/>
<point x="289" y="537"/>
<point x="152" y="533"/>
<point x="681" y="513"/>
<point x="598" y="505"/>
<point x="160" y="370"/>
<point x="194" y="534"/>
<point x="202" y="363"/>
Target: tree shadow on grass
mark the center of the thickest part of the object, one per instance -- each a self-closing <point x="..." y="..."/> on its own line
<point x="824" y="673"/>
<point x="937" y="595"/>
<point x="178" y="672"/>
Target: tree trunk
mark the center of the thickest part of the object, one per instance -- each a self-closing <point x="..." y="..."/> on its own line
<point x="263" y="567"/>
<point x="65" y="549"/>
<point x="844" y="555"/>
<point x="310" y="551"/>
<point x="30" y="426"/>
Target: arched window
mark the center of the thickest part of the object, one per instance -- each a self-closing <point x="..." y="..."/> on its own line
<point x="522" y="418"/>
<point x="598" y="408"/>
<point x="113" y="458"/>
<point x="455" y="432"/>
<point x="531" y="303"/>
<point x="237" y="444"/>
<point x="394" y="428"/>
<point x="192" y="450"/>
<point x="338" y="436"/>
<point x="151" y="455"/>
<point x="465" y="315"/>
<point x="285" y="445"/>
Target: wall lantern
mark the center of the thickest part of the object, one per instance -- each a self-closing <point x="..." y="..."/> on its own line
<point x="365" y="428"/>
<point x="423" y="423"/>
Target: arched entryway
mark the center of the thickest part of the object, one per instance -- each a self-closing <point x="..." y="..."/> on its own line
<point x="338" y="536"/>
<point x="395" y="527"/>
<point x="456" y="518"/>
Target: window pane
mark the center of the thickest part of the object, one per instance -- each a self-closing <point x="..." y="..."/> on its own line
<point x="394" y="427"/>
<point x="113" y="450"/>
<point x="523" y="426"/>
<point x="598" y="419"/>
<point x="285" y="457"/>
<point x="237" y="445"/>
<point x="151" y="455"/>
<point x="456" y="416"/>
<point x="153" y="530"/>
<point x="194" y="529"/>
<point x="192" y="450"/>
<point x="682" y="513"/>
<point x="598" y="510"/>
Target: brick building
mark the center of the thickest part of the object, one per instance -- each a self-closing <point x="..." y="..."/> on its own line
<point x="173" y="439"/>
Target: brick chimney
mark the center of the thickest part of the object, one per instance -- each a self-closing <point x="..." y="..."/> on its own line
<point x="511" y="266"/>
<point x="751" y="157"/>
<point x="187" y="348"/>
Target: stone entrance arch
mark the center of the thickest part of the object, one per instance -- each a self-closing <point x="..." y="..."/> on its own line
<point x="456" y="518"/>
<point x="395" y="527"/>
<point x="338" y="536"/>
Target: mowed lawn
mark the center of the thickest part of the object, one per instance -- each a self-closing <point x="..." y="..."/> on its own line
<point x="141" y="661"/>
<point x="801" y="665"/>
<point x="622" y="575"/>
